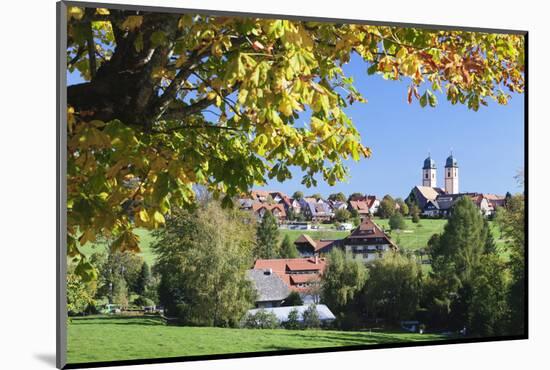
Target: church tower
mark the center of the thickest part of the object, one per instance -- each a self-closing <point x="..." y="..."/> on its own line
<point x="429" y="176"/>
<point x="451" y="175"/>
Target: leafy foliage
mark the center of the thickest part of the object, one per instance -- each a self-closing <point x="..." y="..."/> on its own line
<point x="342" y="215"/>
<point x="293" y="320"/>
<point x="202" y="258"/>
<point x="172" y="101"/>
<point x="310" y="317"/>
<point x="342" y="279"/>
<point x="387" y="207"/>
<point x="261" y="319"/>
<point x="79" y="294"/>
<point x="288" y="249"/>
<point x="393" y="289"/>
<point x="293" y="299"/>
<point x="397" y="221"/>
<point x="340" y="197"/>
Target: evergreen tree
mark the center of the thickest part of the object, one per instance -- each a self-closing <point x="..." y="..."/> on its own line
<point x="267" y="237"/>
<point x="511" y="220"/>
<point x="143" y="279"/>
<point x="462" y="262"/>
<point x="288" y="249"/>
<point x="120" y="291"/>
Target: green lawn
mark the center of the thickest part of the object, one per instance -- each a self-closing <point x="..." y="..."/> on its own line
<point x="111" y="338"/>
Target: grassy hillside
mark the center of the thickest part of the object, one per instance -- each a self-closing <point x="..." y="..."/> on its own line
<point x="145" y="241"/>
<point x="414" y="237"/>
<point x="124" y="338"/>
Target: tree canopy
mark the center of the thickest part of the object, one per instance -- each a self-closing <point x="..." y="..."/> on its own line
<point x="170" y="101"/>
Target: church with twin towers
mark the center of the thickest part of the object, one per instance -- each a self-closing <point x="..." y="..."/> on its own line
<point x="429" y="174"/>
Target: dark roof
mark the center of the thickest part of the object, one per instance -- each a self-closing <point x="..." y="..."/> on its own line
<point x="451" y="162"/>
<point x="429" y="163"/>
<point x="316" y="245"/>
<point x="369" y="230"/>
<point x="269" y="285"/>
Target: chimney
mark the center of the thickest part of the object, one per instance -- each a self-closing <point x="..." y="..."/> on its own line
<point x="316" y="259"/>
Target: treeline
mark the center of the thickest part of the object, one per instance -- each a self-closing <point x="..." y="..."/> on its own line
<point x="203" y="253"/>
<point x="470" y="287"/>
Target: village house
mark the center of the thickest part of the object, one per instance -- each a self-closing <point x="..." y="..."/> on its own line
<point x="308" y="247"/>
<point x="271" y="290"/>
<point x="367" y="242"/>
<point x="259" y="209"/>
<point x="365" y="206"/>
<point x="302" y="275"/>
<point x="316" y="210"/>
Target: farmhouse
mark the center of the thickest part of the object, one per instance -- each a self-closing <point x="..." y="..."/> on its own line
<point x="308" y="247"/>
<point x="367" y="242"/>
<point x="301" y="275"/>
<point x="271" y="290"/>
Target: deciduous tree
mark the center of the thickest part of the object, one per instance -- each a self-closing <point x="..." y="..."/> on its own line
<point x="170" y="101"/>
<point x="202" y="256"/>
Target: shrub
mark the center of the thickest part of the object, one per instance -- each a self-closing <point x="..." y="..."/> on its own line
<point x="262" y="319"/>
<point x="293" y="299"/>
<point x="311" y="317"/>
<point x="142" y="301"/>
<point x="293" y="322"/>
<point x="397" y="222"/>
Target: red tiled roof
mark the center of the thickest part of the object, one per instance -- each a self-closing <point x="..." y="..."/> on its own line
<point x="303" y="278"/>
<point x="367" y="228"/>
<point x="283" y="266"/>
<point x="360" y="205"/>
<point x="256" y="206"/>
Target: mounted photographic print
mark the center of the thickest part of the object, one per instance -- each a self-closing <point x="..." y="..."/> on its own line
<point x="236" y="185"/>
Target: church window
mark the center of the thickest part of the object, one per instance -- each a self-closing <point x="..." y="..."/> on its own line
<point x="426" y="176"/>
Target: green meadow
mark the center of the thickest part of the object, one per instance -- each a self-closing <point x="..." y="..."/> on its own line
<point x="109" y="338"/>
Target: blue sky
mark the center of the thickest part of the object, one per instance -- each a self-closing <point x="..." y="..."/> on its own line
<point x="488" y="144"/>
